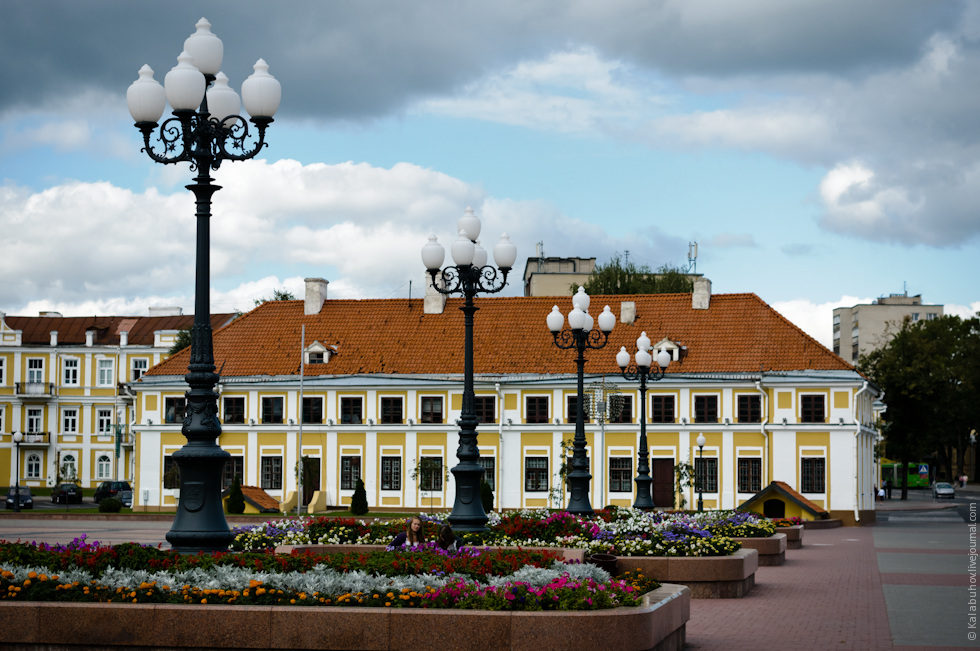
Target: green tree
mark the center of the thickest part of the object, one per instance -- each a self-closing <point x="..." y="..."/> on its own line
<point x="182" y="341"/>
<point x="236" y="500"/>
<point x="277" y="295"/>
<point x="358" y="503"/>
<point x="618" y="277"/>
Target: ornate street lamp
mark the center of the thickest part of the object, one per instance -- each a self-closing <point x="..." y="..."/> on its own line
<point x="642" y="371"/>
<point x="580" y="336"/>
<point x="18" y="437"/>
<point x="469" y="276"/>
<point x="206" y="129"/>
<point x="700" y="471"/>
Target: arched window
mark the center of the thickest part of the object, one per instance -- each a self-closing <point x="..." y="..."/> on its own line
<point x="68" y="469"/>
<point x="103" y="467"/>
<point x="33" y="466"/>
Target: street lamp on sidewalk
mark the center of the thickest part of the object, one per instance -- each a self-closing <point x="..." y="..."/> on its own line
<point x="699" y="471"/>
<point x="18" y="437"/>
<point x="205" y="131"/>
<point x="468" y="277"/>
<point x="643" y="370"/>
<point x="580" y="336"/>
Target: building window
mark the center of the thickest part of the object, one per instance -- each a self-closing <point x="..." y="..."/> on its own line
<point x="35" y="420"/>
<point x="234" y="409"/>
<point x="3" y="371"/>
<point x="535" y="473"/>
<point x="105" y="376"/>
<point x="624" y="413"/>
<point x="33" y="466"/>
<point x="811" y="409"/>
<point x="103" y="467"/>
<point x="35" y="370"/>
<point x="431" y="410"/>
<point x="103" y="422"/>
<point x="430" y="474"/>
<point x="69" y="471"/>
<point x="489" y="470"/>
<point x="69" y="421"/>
<point x="571" y="410"/>
<point x="350" y="472"/>
<point x="812" y="471"/>
<point x="173" y="410"/>
<point x="171" y="473"/>
<point x="391" y="473"/>
<point x="705" y="409"/>
<point x="70" y="368"/>
<point x="749" y="475"/>
<point x="486" y="408"/>
<point x="350" y="411"/>
<point x="313" y="410"/>
<point x="272" y="410"/>
<point x="621" y="475"/>
<point x="235" y="466"/>
<point x="391" y="411"/>
<point x="662" y="409"/>
<point x="750" y="409"/>
<point x="706" y="472"/>
<point x="316" y="358"/>
<point x="536" y="409"/>
<point x="272" y="473"/>
<point x="140" y="367"/>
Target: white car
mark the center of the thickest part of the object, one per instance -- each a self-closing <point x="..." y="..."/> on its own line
<point x="943" y="489"/>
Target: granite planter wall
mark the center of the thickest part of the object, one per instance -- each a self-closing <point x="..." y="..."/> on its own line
<point x="794" y="535"/>
<point x="708" y="577"/>
<point x="772" y="550"/>
<point x="659" y="623"/>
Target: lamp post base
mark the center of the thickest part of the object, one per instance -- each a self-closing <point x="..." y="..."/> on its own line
<point x="644" y="496"/>
<point x="468" y="514"/>
<point x="200" y="523"/>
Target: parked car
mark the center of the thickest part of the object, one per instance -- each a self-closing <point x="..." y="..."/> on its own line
<point x="943" y="489"/>
<point x="110" y="489"/>
<point x="126" y="497"/>
<point x="67" y="493"/>
<point x="26" y="499"/>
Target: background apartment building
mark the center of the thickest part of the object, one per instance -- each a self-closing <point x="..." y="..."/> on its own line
<point x="871" y="325"/>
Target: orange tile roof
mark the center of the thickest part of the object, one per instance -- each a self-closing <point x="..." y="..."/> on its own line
<point x="36" y="330"/>
<point x="738" y="334"/>
<point x="257" y="498"/>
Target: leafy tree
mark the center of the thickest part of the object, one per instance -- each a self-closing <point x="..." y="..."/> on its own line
<point x="277" y="295"/>
<point x="182" y="341"/>
<point x="358" y="503"/>
<point x="618" y="277"/>
<point x="236" y="500"/>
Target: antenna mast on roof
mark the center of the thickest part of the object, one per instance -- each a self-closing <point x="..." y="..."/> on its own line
<point x="692" y="257"/>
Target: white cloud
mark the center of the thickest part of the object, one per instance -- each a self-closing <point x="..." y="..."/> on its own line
<point x="816" y="319"/>
<point x="962" y="311"/>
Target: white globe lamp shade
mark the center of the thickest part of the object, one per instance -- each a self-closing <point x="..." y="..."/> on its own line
<point x="470" y="223"/>
<point x="505" y="252"/>
<point x="206" y="48"/>
<point x="663" y="359"/>
<point x="184" y="84"/>
<point x="556" y="320"/>
<point x="18" y="437"/>
<point x="261" y="92"/>
<point x="581" y="300"/>
<point x="589" y="322"/>
<point x="223" y="102"/>
<point x="479" y="256"/>
<point x="576" y="319"/>
<point x="433" y="254"/>
<point x="643" y="342"/>
<point x="607" y="320"/>
<point x="463" y="250"/>
<point x="701" y="440"/>
<point x="623" y="357"/>
<point x="145" y="97"/>
<point x="643" y="358"/>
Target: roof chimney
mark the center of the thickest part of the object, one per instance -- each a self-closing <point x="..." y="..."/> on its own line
<point x="435" y="302"/>
<point x="89" y="337"/>
<point x="54" y="338"/>
<point x="627" y="312"/>
<point x="702" y="294"/>
<point x="123" y="338"/>
<point x="316" y="293"/>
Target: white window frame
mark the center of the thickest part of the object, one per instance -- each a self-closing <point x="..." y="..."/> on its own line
<point x="35" y="420"/>
<point x="103" y="467"/>
<point x="100" y="418"/>
<point x="106" y="372"/>
<point x="144" y="364"/>
<point x="33" y="466"/>
<point x="3" y="371"/>
<point x="69" y="459"/>
<point x="66" y="414"/>
<point x="70" y="374"/>
<point x="35" y="375"/>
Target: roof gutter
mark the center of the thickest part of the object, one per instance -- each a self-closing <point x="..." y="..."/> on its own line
<point x="857" y="454"/>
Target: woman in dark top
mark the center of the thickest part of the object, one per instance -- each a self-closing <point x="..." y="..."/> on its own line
<point x="447" y="539"/>
<point x="413" y="535"/>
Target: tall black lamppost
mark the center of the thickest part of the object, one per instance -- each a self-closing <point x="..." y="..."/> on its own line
<point x="642" y="371"/>
<point x="469" y="276"/>
<point x="17" y="437"/>
<point x="206" y="129"/>
<point x="700" y="471"/>
<point x="580" y="336"/>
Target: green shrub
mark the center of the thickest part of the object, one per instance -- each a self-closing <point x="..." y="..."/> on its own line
<point x="358" y="503"/>
<point x="486" y="496"/>
<point x="236" y="501"/>
<point x="110" y="505"/>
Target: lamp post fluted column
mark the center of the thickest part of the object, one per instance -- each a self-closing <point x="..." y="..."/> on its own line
<point x="642" y="371"/>
<point x="580" y="336"/>
<point x="17" y="437"/>
<point x="468" y="277"/>
<point x="203" y="136"/>
<point x="700" y="471"/>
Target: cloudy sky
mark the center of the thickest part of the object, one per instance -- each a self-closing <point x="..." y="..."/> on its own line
<point x="821" y="153"/>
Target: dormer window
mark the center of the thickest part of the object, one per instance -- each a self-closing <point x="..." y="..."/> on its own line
<point x="675" y="349"/>
<point x="317" y="353"/>
<point x="316" y="358"/>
